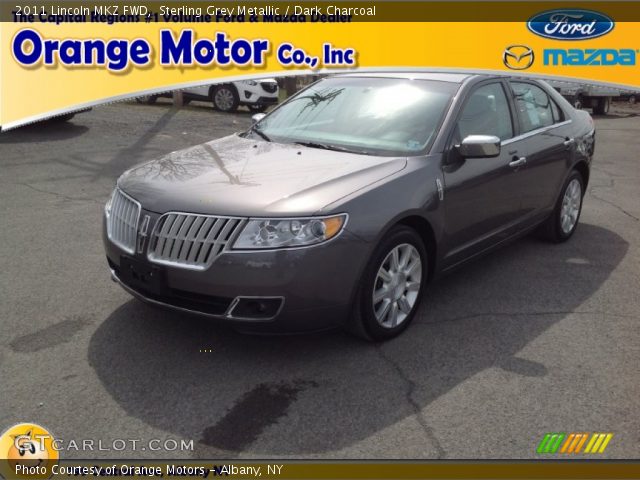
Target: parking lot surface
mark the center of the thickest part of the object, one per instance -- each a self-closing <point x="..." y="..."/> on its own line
<point x="535" y="338"/>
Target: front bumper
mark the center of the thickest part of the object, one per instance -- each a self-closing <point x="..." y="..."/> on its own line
<point x="256" y="95"/>
<point x="305" y="289"/>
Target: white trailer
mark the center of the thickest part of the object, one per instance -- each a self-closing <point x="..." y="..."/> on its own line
<point x="583" y="95"/>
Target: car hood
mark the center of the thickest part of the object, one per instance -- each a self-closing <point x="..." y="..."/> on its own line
<point x="244" y="177"/>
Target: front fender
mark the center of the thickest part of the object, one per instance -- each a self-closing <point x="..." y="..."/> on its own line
<point x="412" y="192"/>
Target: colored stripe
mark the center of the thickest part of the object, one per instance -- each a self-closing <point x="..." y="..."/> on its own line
<point x="555" y="447"/>
<point x="543" y="443"/>
<point x="599" y="440"/>
<point x="584" y="439"/>
<point x="591" y="442"/>
<point x="576" y="439"/>
<point x="550" y="443"/>
<point x="567" y="442"/>
<point x="606" y="442"/>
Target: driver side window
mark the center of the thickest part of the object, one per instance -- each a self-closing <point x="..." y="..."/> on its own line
<point x="486" y="112"/>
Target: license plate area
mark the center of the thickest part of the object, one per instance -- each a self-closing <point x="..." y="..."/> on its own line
<point x="141" y="276"/>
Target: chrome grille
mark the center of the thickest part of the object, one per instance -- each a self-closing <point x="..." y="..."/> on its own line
<point x="189" y="240"/>
<point x="122" y="222"/>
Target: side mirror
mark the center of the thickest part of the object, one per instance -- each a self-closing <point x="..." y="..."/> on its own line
<point x="257" y="117"/>
<point x="479" y="146"/>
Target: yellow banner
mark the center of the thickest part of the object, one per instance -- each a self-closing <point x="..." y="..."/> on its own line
<point x="48" y="68"/>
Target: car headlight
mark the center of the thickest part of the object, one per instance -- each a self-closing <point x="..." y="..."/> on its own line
<point x="107" y="206"/>
<point x="266" y="233"/>
<point x="252" y="83"/>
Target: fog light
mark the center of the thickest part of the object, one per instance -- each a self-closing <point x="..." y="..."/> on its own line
<point x="255" y="308"/>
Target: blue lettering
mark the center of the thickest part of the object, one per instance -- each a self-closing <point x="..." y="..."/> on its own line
<point x="183" y="50"/>
<point x="172" y="53"/>
<point x="27" y="36"/>
<point x="70" y="52"/>
<point x="140" y="51"/>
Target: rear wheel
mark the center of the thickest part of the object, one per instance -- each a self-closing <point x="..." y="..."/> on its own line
<point x="577" y="102"/>
<point x="392" y="286"/>
<point x="225" y="98"/>
<point x="147" y="99"/>
<point x="563" y="221"/>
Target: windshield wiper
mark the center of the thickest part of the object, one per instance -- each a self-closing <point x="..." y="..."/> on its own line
<point x="326" y="146"/>
<point x="255" y="129"/>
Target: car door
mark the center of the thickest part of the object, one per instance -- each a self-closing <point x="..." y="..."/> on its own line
<point x="548" y="143"/>
<point x="482" y="200"/>
<point x="201" y="91"/>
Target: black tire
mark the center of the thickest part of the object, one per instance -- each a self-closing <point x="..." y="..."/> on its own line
<point x="147" y="99"/>
<point x="225" y="98"/>
<point x="257" y="108"/>
<point x="364" y="322"/>
<point x="552" y="229"/>
<point x="602" y="108"/>
<point x="577" y="102"/>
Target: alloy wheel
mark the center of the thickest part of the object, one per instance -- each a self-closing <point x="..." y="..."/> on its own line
<point x="571" y="203"/>
<point x="224" y="99"/>
<point x="397" y="286"/>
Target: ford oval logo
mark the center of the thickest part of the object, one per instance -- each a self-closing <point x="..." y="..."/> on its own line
<point x="570" y="24"/>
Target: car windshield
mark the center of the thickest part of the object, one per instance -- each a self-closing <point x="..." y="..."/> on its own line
<point x="376" y="116"/>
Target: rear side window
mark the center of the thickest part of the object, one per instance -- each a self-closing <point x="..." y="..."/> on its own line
<point x="535" y="108"/>
<point x="486" y="112"/>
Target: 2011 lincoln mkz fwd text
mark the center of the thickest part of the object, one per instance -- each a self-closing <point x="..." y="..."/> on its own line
<point x="339" y="206"/>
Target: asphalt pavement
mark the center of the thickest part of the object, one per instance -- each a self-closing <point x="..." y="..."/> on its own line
<point x="532" y="339"/>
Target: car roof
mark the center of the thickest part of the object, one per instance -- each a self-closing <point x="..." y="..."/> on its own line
<point x="437" y="76"/>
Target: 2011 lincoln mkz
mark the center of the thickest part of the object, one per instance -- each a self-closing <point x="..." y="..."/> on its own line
<point x="338" y="207"/>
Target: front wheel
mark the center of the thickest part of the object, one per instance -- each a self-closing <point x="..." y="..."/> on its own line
<point x="563" y="221"/>
<point x="392" y="286"/>
<point x="225" y="98"/>
<point x="254" y="108"/>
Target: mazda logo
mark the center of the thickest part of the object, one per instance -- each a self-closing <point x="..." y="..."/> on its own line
<point x="518" y="57"/>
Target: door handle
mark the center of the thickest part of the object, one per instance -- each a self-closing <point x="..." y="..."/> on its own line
<point x="569" y="141"/>
<point x="517" y="162"/>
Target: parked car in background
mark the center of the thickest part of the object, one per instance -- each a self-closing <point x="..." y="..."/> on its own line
<point x="340" y="205"/>
<point x="257" y="95"/>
